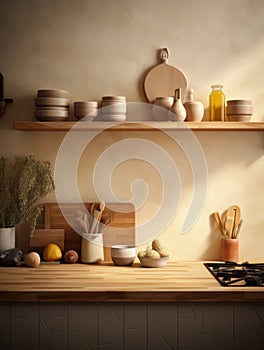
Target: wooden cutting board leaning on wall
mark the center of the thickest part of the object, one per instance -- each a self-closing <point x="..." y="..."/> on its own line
<point x="54" y="228"/>
<point x="162" y="80"/>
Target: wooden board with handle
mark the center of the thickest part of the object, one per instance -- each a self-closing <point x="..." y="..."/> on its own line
<point x="163" y="79"/>
<point x="53" y="219"/>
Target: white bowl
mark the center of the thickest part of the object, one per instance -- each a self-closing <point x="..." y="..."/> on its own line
<point x="150" y="262"/>
<point x="123" y="255"/>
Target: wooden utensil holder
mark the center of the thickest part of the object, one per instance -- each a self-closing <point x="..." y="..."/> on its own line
<point x="229" y="249"/>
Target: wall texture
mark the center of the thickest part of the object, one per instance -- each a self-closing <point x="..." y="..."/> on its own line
<point x="95" y="48"/>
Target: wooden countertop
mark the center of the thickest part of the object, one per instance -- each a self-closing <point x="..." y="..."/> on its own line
<point x="176" y="282"/>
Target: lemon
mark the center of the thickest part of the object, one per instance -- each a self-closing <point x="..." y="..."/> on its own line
<point x="52" y="252"/>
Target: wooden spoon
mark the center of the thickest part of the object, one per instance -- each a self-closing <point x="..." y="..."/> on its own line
<point x="237" y="220"/>
<point x="229" y="222"/>
<point x="219" y="223"/>
<point x="97" y="216"/>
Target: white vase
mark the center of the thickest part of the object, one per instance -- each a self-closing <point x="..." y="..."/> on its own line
<point x="7" y="238"/>
<point x="92" y="249"/>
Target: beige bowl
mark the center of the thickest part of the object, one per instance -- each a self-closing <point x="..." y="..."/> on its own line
<point x="150" y="262"/>
<point x="53" y="93"/>
<point x="52" y="101"/>
<point x="53" y="108"/>
<point x="123" y="255"/>
<point x="113" y="118"/>
<point x="164" y="102"/>
<point x="238" y="102"/>
<point x="85" y="109"/>
<point x="113" y="98"/>
<point x="239" y="117"/>
<point x="85" y="104"/>
<point x="239" y="109"/>
<point x="51" y="115"/>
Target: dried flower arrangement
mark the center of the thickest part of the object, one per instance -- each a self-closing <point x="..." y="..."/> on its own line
<point x="23" y="182"/>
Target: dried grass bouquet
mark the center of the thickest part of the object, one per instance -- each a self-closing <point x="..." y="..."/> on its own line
<point x="23" y="182"/>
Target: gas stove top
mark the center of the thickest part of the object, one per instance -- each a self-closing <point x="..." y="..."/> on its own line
<point x="237" y="274"/>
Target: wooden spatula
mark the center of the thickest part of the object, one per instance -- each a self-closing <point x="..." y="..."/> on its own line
<point x="229" y="222"/>
<point x="237" y="220"/>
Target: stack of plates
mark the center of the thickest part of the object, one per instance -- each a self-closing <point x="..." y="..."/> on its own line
<point x="52" y="105"/>
<point x="239" y="110"/>
<point x="113" y="108"/>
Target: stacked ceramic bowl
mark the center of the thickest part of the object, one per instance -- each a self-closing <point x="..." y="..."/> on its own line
<point x="52" y="105"/>
<point x="113" y="108"/>
<point x="239" y="110"/>
<point x="85" y="110"/>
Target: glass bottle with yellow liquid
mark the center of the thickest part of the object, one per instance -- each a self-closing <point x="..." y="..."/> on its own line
<point x="217" y="103"/>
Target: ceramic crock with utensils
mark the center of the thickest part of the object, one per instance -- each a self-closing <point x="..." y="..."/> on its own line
<point x="229" y="226"/>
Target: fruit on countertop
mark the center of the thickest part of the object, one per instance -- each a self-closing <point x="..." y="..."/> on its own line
<point x="32" y="259"/>
<point x="52" y="252"/>
<point x="71" y="256"/>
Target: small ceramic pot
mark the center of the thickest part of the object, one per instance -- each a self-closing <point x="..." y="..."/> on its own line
<point x="92" y="250"/>
<point x="229" y="249"/>
<point x="7" y="238"/>
<point x="160" y="108"/>
<point x="123" y="255"/>
<point x="194" y="111"/>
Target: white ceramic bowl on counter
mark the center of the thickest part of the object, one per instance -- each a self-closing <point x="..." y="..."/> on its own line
<point x="150" y="262"/>
<point x="123" y="255"/>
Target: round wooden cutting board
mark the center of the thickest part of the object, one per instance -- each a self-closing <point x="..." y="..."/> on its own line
<point x="163" y="79"/>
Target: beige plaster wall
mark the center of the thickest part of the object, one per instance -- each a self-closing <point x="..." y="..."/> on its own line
<point x="95" y="48"/>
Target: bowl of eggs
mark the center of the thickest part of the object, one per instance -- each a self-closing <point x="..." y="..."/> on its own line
<point x="155" y="255"/>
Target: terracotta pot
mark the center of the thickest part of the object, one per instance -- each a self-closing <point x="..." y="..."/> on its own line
<point x="7" y="238"/>
<point x="229" y="249"/>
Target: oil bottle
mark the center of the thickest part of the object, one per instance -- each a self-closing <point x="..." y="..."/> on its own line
<point x="217" y="103"/>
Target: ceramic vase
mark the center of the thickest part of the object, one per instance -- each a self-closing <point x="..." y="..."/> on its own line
<point x="229" y="249"/>
<point x="92" y="250"/>
<point x="7" y="238"/>
<point x="177" y="110"/>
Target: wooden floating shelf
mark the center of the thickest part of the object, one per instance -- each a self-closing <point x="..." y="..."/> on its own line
<point x="137" y="126"/>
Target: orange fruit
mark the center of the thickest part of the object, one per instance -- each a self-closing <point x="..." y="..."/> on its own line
<point x="52" y="252"/>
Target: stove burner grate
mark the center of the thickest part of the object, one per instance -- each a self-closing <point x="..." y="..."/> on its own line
<point x="235" y="274"/>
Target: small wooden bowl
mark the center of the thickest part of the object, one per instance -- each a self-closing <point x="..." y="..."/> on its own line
<point x="239" y="109"/>
<point x="53" y="93"/>
<point x="52" y="101"/>
<point x="150" y="262"/>
<point x="239" y="117"/>
<point x="114" y="98"/>
<point x="238" y="102"/>
<point x="51" y="115"/>
<point x="113" y="118"/>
